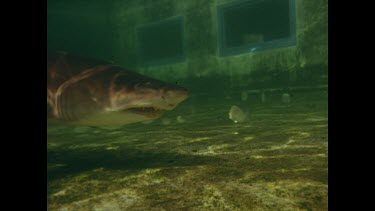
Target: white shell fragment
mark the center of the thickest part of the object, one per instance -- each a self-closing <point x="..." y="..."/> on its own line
<point x="236" y="114"/>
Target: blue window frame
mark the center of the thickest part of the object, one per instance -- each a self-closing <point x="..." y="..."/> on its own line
<point x="253" y="25"/>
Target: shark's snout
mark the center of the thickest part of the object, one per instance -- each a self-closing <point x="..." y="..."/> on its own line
<point x="173" y="97"/>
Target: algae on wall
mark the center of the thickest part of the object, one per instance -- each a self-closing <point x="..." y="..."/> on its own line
<point x="199" y="33"/>
<point x="308" y="56"/>
<point x="201" y="38"/>
<point x="107" y="30"/>
<point x="312" y="47"/>
<point x="304" y="63"/>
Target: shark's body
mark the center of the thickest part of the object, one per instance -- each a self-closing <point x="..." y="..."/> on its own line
<point x="85" y="91"/>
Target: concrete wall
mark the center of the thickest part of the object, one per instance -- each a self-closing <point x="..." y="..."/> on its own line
<point x="107" y="29"/>
<point x="309" y="55"/>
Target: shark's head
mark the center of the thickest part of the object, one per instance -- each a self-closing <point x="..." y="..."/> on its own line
<point x="134" y="97"/>
<point x="88" y="92"/>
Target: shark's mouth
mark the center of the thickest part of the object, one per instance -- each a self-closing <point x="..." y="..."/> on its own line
<point x="151" y="112"/>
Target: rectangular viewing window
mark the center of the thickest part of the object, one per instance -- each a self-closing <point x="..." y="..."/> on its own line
<point x="253" y="25"/>
<point x="161" y="42"/>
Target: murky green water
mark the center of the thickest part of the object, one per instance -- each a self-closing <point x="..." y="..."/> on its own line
<point x="276" y="160"/>
<point x="195" y="157"/>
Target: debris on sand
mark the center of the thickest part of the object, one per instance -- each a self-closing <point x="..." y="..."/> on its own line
<point x="236" y="114"/>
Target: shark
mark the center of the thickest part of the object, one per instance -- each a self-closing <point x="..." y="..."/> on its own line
<point x="91" y="92"/>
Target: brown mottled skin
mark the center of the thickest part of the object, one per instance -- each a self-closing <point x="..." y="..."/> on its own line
<point x="78" y="87"/>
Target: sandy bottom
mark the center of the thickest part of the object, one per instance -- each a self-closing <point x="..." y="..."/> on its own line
<point x="196" y="158"/>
